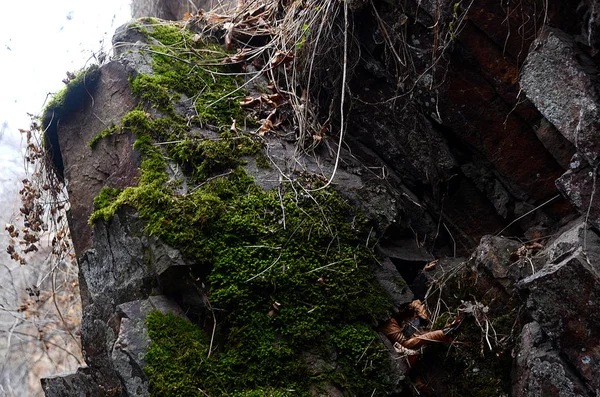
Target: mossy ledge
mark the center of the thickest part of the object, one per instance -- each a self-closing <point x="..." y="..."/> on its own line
<point x="66" y="101"/>
<point x="287" y="271"/>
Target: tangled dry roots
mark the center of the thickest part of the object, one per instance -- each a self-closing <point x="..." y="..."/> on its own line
<point x="304" y="48"/>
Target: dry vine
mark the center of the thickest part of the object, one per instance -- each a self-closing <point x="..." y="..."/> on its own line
<point x="43" y="305"/>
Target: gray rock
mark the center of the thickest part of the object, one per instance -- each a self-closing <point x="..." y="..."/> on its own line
<point x="578" y="185"/>
<point x="539" y="371"/>
<point x="571" y="237"/>
<point x="493" y="255"/>
<point x="124" y="265"/>
<point x="129" y="350"/>
<point x="406" y="250"/>
<point x="489" y="185"/>
<point x="392" y="282"/>
<point x="564" y="298"/>
<point x="399" y="367"/>
<point x="111" y="163"/>
<point x="117" y="266"/>
<point x="83" y="383"/>
<point x="561" y="81"/>
<point x="127" y="43"/>
<point x="559" y="147"/>
<point x="175" y="9"/>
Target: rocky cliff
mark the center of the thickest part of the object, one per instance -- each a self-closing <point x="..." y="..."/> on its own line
<point x="338" y="198"/>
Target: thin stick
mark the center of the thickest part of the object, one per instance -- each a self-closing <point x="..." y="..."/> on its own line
<point x="587" y="215"/>
<point x="342" y="101"/>
<point x="281" y="202"/>
<point x="58" y="309"/>
<point x="214" y="330"/>
<point x="527" y="213"/>
<point x="280" y="253"/>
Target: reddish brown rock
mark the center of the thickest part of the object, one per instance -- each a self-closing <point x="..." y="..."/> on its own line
<point x="112" y="163"/>
<point x="559" y="147"/>
<point x="540" y="371"/>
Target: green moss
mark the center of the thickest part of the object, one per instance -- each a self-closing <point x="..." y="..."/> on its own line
<point x="262" y="161"/>
<point x="287" y="270"/>
<point x="105" y="198"/>
<point x="176" y="343"/>
<point x="363" y="358"/>
<point x="70" y="97"/>
<point x="233" y="230"/>
<point x="184" y="65"/>
<point x="103" y="134"/>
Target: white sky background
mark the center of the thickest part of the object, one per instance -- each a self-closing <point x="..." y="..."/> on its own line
<point x="40" y="41"/>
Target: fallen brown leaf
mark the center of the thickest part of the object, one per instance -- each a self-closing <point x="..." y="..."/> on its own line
<point x="393" y="331"/>
<point x="420" y="340"/>
<point x="281" y="58"/>
<point x="404" y="351"/>
<point x="265" y="127"/>
<point x="238" y="57"/>
<point x="250" y="102"/>
<point x="430" y="266"/>
<point x="420" y="309"/>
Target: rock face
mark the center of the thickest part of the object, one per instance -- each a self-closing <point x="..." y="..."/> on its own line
<point x="561" y="80"/>
<point x="539" y="369"/>
<point x="485" y="124"/>
<point x="563" y="298"/>
<point x="175" y="10"/>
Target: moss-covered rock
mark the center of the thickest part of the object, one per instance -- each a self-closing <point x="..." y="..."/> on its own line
<point x="286" y="270"/>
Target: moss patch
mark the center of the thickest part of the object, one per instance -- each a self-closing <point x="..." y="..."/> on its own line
<point x="286" y="270"/>
<point x="69" y="98"/>
<point x="184" y="64"/>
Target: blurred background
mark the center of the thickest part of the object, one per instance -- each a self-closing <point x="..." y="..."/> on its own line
<point x="39" y="303"/>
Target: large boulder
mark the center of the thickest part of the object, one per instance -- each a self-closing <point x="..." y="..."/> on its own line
<point x="562" y="82"/>
<point x="564" y="298"/>
<point x="540" y="371"/>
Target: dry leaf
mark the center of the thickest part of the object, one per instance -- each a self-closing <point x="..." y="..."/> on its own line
<point x="277" y="99"/>
<point x="393" y="331"/>
<point x="233" y="127"/>
<point x="420" y="309"/>
<point x="250" y="102"/>
<point x="265" y="127"/>
<point x="404" y="351"/>
<point x="271" y="118"/>
<point x="187" y="16"/>
<point x="281" y="58"/>
<point x="240" y="56"/>
<point x="419" y="340"/>
<point x="430" y="266"/>
<point x="216" y="18"/>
